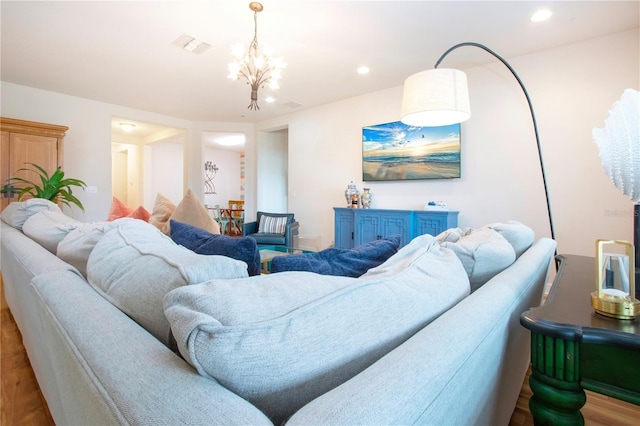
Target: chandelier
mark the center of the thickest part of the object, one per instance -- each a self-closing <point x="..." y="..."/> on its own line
<point x="256" y="67"/>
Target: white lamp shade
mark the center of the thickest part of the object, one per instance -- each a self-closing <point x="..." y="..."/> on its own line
<point x="437" y="97"/>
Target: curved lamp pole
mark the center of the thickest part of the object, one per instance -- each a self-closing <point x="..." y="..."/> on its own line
<point x="417" y="106"/>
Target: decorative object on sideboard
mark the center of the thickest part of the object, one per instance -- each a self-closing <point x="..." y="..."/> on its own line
<point x="55" y="187"/>
<point x="397" y="151"/>
<point x="210" y="170"/>
<point x="258" y="68"/>
<point x="619" y="149"/>
<point x="366" y="198"/>
<point x="352" y="195"/>
<point x="440" y="97"/>
<point x="436" y="205"/>
<point x="615" y="281"/>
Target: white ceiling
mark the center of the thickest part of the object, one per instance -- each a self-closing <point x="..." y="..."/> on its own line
<point x="120" y="52"/>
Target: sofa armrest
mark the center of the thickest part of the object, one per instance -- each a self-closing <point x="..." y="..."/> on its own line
<point x="109" y="370"/>
<point x="292" y="234"/>
<point x="249" y="228"/>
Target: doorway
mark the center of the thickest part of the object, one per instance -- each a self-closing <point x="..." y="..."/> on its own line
<point x="146" y="159"/>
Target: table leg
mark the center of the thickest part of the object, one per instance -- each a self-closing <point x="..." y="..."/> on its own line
<point x="554" y="381"/>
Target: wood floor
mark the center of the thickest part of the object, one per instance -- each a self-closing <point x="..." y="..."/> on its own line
<point x="22" y="403"/>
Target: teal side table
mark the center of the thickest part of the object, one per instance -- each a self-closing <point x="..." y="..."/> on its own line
<point x="573" y="348"/>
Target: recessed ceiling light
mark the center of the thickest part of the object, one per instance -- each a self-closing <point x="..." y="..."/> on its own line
<point x="127" y="127"/>
<point x="269" y="99"/>
<point x="230" y="140"/>
<point x="541" y="15"/>
<point x="363" y="70"/>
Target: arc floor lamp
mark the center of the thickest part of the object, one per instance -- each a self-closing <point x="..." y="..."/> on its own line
<point x="440" y="97"/>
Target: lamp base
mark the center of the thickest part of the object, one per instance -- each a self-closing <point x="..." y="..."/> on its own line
<point x="615" y="306"/>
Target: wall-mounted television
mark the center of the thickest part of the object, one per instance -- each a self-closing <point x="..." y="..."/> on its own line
<point x="396" y="151"/>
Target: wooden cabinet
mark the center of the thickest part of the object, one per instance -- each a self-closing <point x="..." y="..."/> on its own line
<point x="28" y="142"/>
<point x="374" y="225"/>
<point x="354" y="227"/>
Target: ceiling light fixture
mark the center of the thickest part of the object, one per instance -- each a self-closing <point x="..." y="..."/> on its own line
<point x="232" y="140"/>
<point x="363" y="69"/>
<point x="257" y="68"/>
<point x="127" y="127"/>
<point x="541" y="15"/>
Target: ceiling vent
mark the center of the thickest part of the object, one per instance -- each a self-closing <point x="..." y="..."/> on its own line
<point x="190" y="44"/>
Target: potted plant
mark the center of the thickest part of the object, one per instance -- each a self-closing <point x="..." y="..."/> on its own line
<point x="54" y="188"/>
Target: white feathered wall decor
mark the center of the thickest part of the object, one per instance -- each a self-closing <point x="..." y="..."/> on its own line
<point x="619" y="144"/>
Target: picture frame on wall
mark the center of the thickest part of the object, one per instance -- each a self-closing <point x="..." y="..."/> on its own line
<point x="397" y="151"/>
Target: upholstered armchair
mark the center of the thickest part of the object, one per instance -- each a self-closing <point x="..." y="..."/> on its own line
<point x="273" y="229"/>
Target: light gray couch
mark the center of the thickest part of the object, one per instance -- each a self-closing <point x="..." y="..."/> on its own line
<point x="97" y="366"/>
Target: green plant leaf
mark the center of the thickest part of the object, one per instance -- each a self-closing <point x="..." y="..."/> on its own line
<point x="54" y="188"/>
<point x="68" y="197"/>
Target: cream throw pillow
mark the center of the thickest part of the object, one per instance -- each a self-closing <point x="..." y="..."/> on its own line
<point x="162" y="210"/>
<point x="190" y="211"/>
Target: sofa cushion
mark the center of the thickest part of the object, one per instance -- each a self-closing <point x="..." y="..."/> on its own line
<point x="281" y="340"/>
<point x="17" y="212"/>
<point x="119" y="210"/>
<point x="77" y="245"/>
<point x="48" y="228"/>
<point x="452" y="235"/>
<point x="204" y="242"/>
<point x="484" y="253"/>
<point x="343" y="262"/>
<point x="134" y="265"/>
<point x="269" y="239"/>
<point x="520" y="236"/>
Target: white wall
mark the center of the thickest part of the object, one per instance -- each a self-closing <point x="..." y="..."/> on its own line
<point x="572" y="88"/>
<point x="163" y="172"/>
<point x="272" y="171"/>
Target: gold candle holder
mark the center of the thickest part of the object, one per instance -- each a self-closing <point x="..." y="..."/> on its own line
<point x="615" y="281"/>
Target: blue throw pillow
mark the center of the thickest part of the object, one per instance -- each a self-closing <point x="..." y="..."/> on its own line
<point x="343" y="262"/>
<point x="204" y="242"/>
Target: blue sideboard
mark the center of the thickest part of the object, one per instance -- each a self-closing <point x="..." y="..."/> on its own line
<point x="353" y="227"/>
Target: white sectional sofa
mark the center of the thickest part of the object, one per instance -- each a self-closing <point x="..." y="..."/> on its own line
<point x="151" y="333"/>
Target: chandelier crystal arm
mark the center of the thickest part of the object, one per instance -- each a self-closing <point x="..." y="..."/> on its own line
<point x="533" y="116"/>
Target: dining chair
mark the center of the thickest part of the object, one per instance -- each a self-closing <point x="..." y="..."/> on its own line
<point x="236" y="208"/>
<point x="223" y="219"/>
<point x="237" y="220"/>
